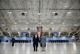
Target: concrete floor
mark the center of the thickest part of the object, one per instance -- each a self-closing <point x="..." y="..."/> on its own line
<point x="51" y="48"/>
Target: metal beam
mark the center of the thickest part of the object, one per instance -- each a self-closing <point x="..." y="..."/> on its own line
<point x="39" y="6"/>
<point x="15" y="9"/>
<point x="64" y="9"/>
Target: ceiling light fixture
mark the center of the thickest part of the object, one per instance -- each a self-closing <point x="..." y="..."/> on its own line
<point x="52" y="23"/>
<point x="55" y="13"/>
<point x="75" y="24"/>
<point x="15" y="23"/>
<point x="23" y="14"/>
<point x="39" y="13"/>
<point x="69" y="12"/>
<point x="9" y="12"/>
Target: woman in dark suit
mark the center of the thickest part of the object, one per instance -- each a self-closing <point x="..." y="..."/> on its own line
<point x="35" y="42"/>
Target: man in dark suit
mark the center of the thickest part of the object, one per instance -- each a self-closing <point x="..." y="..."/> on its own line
<point x="13" y="40"/>
<point x="35" y="42"/>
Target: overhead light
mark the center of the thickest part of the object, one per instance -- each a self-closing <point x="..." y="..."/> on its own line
<point x="3" y="24"/>
<point x="25" y="12"/>
<point x="75" y="24"/>
<point x="52" y="23"/>
<point x="18" y="32"/>
<point x="26" y="28"/>
<point x="15" y="23"/>
<point x="69" y="12"/>
<point x="65" y="6"/>
<point x="39" y="13"/>
<point x="27" y="23"/>
<point x="55" y="13"/>
<point x="63" y="23"/>
<point x="9" y="12"/>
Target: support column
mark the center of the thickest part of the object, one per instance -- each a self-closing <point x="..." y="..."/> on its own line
<point x="59" y="33"/>
<point x="19" y="33"/>
<point x="9" y="33"/>
<point x="49" y="34"/>
<point x="29" y="33"/>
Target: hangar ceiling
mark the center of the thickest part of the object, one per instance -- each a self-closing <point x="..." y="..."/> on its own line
<point x="20" y="15"/>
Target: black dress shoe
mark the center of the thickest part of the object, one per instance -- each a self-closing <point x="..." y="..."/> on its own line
<point x="36" y="50"/>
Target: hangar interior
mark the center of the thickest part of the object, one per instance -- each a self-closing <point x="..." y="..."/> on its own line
<point x="54" y="16"/>
<point x="57" y="20"/>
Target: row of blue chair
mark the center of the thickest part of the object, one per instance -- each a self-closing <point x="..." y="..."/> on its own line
<point x="29" y="39"/>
